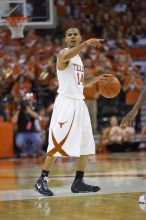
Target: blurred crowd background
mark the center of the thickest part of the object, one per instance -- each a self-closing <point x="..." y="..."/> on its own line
<point x="28" y="81"/>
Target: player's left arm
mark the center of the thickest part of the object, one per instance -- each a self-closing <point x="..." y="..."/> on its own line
<point x="141" y="99"/>
<point x="95" y="79"/>
<point x="127" y="120"/>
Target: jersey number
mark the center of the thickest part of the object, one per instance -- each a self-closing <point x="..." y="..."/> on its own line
<point x="80" y="78"/>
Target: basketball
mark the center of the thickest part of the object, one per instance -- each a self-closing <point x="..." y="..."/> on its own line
<point x="110" y="87"/>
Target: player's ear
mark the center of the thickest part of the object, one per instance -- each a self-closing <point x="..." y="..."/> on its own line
<point x="65" y="40"/>
<point x="80" y="38"/>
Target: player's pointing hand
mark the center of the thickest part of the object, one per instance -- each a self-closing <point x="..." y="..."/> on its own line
<point x="95" y="42"/>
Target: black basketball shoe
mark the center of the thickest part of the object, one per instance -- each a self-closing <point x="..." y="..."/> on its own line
<point x="79" y="186"/>
<point x="41" y="186"/>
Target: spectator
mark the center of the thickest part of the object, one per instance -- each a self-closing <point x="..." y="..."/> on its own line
<point x="129" y="139"/>
<point x="42" y="124"/>
<point x="28" y="139"/>
<point x="115" y="133"/>
<point x="115" y="136"/>
<point x="128" y="134"/>
<point x="2" y="115"/>
<point x="21" y="87"/>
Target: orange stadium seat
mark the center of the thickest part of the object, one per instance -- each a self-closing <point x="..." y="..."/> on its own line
<point x="138" y="53"/>
<point x="6" y="140"/>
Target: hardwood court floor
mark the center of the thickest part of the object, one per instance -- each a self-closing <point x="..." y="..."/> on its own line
<point x="122" y="178"/>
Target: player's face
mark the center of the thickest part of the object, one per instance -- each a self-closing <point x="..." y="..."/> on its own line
<point x="73" y="37"/>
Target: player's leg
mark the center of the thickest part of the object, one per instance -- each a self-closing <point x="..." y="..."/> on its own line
<point x="82" y="162"/>
<point x="41" y="185"/>
<point x="78" y="185"/>
<point x="87" y="148"/>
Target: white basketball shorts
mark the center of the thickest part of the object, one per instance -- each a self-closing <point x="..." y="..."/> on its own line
<point x="70" y="132"/>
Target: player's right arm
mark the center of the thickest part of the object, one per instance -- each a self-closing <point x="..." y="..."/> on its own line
<point x="65" y="55"/>
<point x="127" y="120"/>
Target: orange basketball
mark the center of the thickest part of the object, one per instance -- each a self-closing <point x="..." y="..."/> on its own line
<point x="110" y="87"/>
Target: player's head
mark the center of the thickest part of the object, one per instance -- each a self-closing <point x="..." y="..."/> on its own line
<point x="72" y="37"/>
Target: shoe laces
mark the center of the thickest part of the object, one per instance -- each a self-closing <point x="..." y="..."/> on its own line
<point x="82" y="181"/>
<point x="45" y="185"/>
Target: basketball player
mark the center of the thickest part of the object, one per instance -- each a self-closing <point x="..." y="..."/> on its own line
<point x="70" y="132"/>
<point x="127" y="120"/>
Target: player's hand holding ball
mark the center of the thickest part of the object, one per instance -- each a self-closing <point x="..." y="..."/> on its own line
<point x="109" y="86"/>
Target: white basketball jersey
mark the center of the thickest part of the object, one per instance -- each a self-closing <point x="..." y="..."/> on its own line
<point x="71" y="79"/>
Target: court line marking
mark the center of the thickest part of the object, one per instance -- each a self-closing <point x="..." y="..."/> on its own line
<point x="108" y="185"/>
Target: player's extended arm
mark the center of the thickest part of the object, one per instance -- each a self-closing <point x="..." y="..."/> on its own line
<point x="95" y="79"/>
<point x="65" y="55"/>
<point x="141" y="99"/>
<point x="127" y="120"/>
